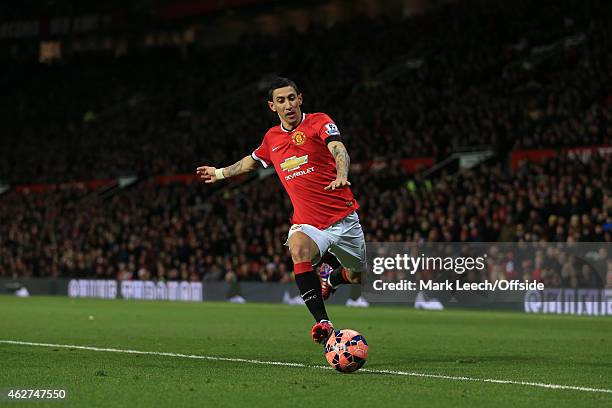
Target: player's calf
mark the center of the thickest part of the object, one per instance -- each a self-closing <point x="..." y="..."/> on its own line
<point x="352" y="277"/>
<point x="302" y="248"/>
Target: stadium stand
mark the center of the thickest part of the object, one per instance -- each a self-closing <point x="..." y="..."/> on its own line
<point x="183" y="231"/>
<point x="443" y="83"/>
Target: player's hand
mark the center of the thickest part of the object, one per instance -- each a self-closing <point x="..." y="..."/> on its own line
<point x="338" y="183"/>
<point x="206" y="174"/>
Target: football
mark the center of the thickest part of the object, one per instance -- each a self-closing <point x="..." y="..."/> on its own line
<point x="346" y="350"/>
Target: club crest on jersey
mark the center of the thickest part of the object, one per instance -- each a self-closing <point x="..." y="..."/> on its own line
<point x="293" y="162"/>
<point x="298" y="138"/>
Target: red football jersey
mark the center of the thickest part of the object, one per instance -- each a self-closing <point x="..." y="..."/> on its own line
<point x="305" y="166"/>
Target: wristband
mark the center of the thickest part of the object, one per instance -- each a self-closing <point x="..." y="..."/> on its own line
<point x="219" y="174"/>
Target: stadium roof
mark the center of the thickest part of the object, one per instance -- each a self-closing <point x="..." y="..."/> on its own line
<point x="27" y="9"/>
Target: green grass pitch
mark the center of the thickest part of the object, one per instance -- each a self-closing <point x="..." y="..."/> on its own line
<point x="563" y="350"/>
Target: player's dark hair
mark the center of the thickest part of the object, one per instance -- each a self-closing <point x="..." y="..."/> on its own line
<point x="281" y="82"/>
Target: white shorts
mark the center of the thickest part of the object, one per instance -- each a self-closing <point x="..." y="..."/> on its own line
<point x="343" y="239"/>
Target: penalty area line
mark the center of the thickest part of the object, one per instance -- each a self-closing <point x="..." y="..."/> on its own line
<point x="300" y="365"/>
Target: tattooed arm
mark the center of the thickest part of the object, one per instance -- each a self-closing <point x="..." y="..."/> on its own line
<point x="343" y="161"/>
<point x="211" y="174"/>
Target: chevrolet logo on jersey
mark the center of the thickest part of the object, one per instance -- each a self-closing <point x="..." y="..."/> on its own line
<point x="293" y="162"/>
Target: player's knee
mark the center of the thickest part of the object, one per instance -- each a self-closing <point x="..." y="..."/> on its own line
<point x="300" y="248"/>
<point x="300" y="253"/>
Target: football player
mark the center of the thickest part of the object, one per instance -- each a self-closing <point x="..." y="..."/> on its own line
<point x="312" y="163"/>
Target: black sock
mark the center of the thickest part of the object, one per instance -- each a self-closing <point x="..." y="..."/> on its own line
<point x="310" y="290"/>
<point x="337" y="277"/>
<point x="330" y="260"/>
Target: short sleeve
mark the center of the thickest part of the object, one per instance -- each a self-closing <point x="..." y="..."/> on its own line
<point x="328" y="130"/>
<point x="262" y="154"/>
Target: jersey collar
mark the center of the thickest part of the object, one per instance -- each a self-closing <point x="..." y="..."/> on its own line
<point x="287" y="131"/>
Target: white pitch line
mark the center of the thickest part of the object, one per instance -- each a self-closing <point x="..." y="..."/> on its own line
<point x="300" y="365"/>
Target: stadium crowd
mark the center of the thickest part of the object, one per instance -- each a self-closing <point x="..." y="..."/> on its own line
<point x="185" y="231"/>
<point x="507" y="74"/>
<point x="456" y="78"/>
